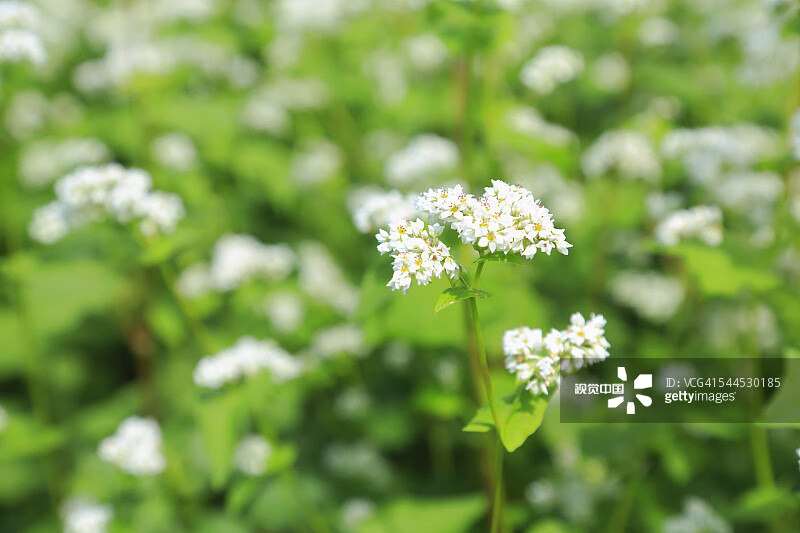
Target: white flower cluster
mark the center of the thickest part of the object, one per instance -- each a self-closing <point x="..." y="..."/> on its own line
<point x="697" y="517"/>
<point x="43" y="161"/>
<point x="284" y="309"/>
<point x="426" y="52"/>
<point x="703" y="222"/>
<point x="651" y="295"/>
<point x="247" y="357"/>
<point x="322" y="279"/>
<point x="373" y="208"/>
<point x="528" y="121"/>
<point x="538" y="359"/>
<point x="426" y="156"/>
<point x="136" y="447"/>
<point x="93" y="193"/>
<point x="658" y="31"/>
<point x="174" y="151"/>
<point x="794" y="139"/>
<point x="611" y="72"/>
<point x="335" y="340"/>
<point x="315" y="162"/>
<point x="417" y="252"/>
<point x="706" y="152"/>
<point x="551" y="66"/>
<point x="252" y="455"/>
<point x="18" y="41"/>
<point x="627" y="152"/>
<point x="85" y="516"/>
<point x="3" y="419"/>
<point x="507" y="218"/>
<point x="236" y="260"/>
<point x="355" y="512"/>
<point x="268" y="109"/>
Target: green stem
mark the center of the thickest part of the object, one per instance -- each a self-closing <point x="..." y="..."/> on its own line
<point x="497" y="507"/>
<point x="487" y="382"/>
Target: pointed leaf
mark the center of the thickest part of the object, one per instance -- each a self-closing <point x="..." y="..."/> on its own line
<point x="454" y="294"/>
<point x="520" y="414"/>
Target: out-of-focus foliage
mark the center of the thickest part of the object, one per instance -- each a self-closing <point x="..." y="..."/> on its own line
<point x="331" y="403"/>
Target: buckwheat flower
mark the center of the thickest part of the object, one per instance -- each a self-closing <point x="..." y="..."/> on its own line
<point x="610" y="72"/>
<point x="373" y="208"/>
<point x="136" y="447"/>
<point x="322" y="279"/>
<point x="627" y="152"/>
<point x="651" y="295"/>
<point x="426" y="52"/>
<point x="388" y="74"/>
<point x="194" y="281"/>
<point x="426" y="156"/>
<point x="528" y="121"/>
<point x="3" y="419"/>
<point x="660" y="204"/>
<point x="551" y="66"/>
<point x="247" y="357"/>
<point x="351" y="404"/>
<point x="252" y="455"/>
<point x="355" y="512"/>
<point x="18" y="45"/>
<point x="528" y="359"/>
<point x="82" y="515"/>
<point x="795" y="134"/>
<point x="50" y="223"/>
<point x="285" y="311"/>
<point x="359" y="461"/>
<point x="697" y="517"/>
<point x="703" y="222"/>
<point x="238" y="259"/>
<point x="658" y="31"/>
<point x="507" y="218"/>
<point x="336" y="340"/>
<point x="582" y="343"/>
<point x="43" y="161"/>
<point x="174" y="151"/>
<point x="160" y="212"/>
<point x="417" y="254"/>
<point x="15" y="14"/>
<point x="316" y="162"/>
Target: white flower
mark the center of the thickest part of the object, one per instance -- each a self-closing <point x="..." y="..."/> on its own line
<point x="355" y="512"/>
<point x="697" y="517"/>
<point x="285" y="311"/>
<point x="247" y="357"/>
<point x="417" y="254"/>
<point x="85" y="516"/>
<point x="507" y="218"/>
<point x="551" y="66"/>
<point x="653" y="296"/>
<point x="252" y="455"/>
<point x="797" y="451"/>
<point x="135" y="447"/>
<point x="174" y="151"/>
<point x="17" y="45"/>
<point x="42" y="162"/>
<point x="610" y="72"/>
<point x="658" y="31"/>
<point x="426" y="52"/>
<point x="795" y="134"/>
<point x="238" y="259"/>
<point x="3" y="419"/>
<point x="627" y="152"/>
<point x="373" y="208"/>
<point x="528" y="121"/>
<point x="426" y="156"/>
<point x="343" y="339"/>
<point x="316" y="162"/>
<point x="321" y="279"/>
<point x="582" y="343"/>
<point x="703" y="222"/>
<point x="93" y="193"/>
<point x="16" y="14"/>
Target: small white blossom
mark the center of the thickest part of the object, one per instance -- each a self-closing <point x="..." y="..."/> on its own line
<point x="417" y="254"/>
<point x="3" y="419"/>
<point x="551" y="66"/>
<point x="794" y="130"/>
<point x="658" y="31"/>
<point x="697" y="517"/>
<point x="528" y="121"/>
<point x="315" y="162"/>
<point x="18" y="45"/>
<point x="797" y="451"/>
<point x="355" y="512"/>
<point x="703" y="222"/>
<point x="507" y="218"/>
<point x="321" y="279"/>
<point x="343" y="339"/>
<point x="373" y="208"/>
<point x="582" y="343"/>
<point x="627" y="152"/>
<point x="174" y="151"/>
<point x="238" y="259"/>
<point x="252" y="455"/>
<point x="42" y="162"/>
<point x="85" y="516"/>
<point x="610" y="72"/>
<point x="16" y="14"/>
<point x="425" y="157"/>
<point x="136" y="447"/>
<point x="247" y="357"/>
<point x="285" y="311"/>
<point x="426" y="52"/>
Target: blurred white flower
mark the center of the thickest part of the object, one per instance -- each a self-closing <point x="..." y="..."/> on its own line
<point x="94" y="193"/>
<point x="386" y="69"/>
<point x="541" y="494"/>
<point x="651" y="295"/>
<point x="247" y="357"/>
<point x="373" y="207"/>
<point x="174" y="151"/>
<point x="551" y="66"/>
<point x="797" y="451"/>
<point x="658" y="31"/>
<point x="43" y="161"/>
<point x="268" y="108"/>
<point x="344" y="339"/>
<point x="321" y="279"/>
<point x="610" y="72"/>
<point x="136" y="447"/>
<point x="627" y="152"/>
<point x="315" y="162"/>
<point x="425" y="157"/>
<point x="252" y="455"/>
<point x="528" y="121"/>
<point x="359" y="461"/>
<point x="238" y="259"/>
<point x="19" y="40"/>
<point x="703" y="222"/>
<point x="752" y="193"/>
<point x="285" y="311"/>
<point x="697" y="517"/>
<point x="583" y="342"/>
<point x="659" y="204"/>
<point x="355" y="512"/>
<point x="82" y="515"/>
<point x="426" y="52"/>
<point x="3" y="419"/>
<point x="351" y="403"/>
<point x="794" y="134"/>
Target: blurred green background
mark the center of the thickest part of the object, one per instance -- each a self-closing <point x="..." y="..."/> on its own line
<point x="291" y="122"/>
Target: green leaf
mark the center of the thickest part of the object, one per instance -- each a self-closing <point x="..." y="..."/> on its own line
<point x="454" y="294"/>
<point x="500" y="257"/>
<point x="219" y="419"/>
<point x="718" y="275"/>
<point x="443" y="515"/>
<point x="782" y="407"/>
<point x="520" y="413"/>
